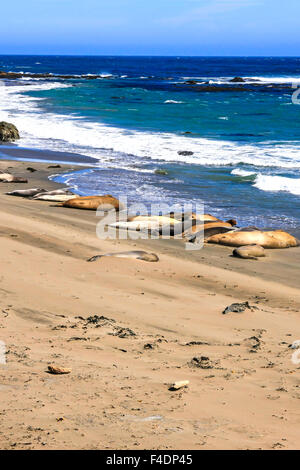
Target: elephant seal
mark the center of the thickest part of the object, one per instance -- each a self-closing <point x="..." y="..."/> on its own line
<point x="204" y="234"/>
<point x="105" y="203"/>
<point x="160" y="219"/>
<point x="249" y="252"/>
<point x="271" y="239"/>
<point x="55" y="198"/>
<point x="53" y="193"/>
<point x="141" y="255"/>
<point x="27" y="192"/>
<point x="145" y="223"/>
<point x="8" y="178"/>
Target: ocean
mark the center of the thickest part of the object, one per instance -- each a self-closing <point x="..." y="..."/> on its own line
<point x="168" y="129"/>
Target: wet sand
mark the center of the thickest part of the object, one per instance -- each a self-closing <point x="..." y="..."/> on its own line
<point x="129" y="328"/>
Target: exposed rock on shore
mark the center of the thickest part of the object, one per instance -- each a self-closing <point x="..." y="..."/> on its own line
<point x="8" y="132"/>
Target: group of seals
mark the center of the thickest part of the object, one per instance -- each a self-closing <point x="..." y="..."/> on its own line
<point x="141" y="255"/>
<point x="58" y="195"/>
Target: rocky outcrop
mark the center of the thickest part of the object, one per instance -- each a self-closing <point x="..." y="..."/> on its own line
<point x="237" y="80"/>
<point x="8" y="132"/>
<point x="185" y="153"/>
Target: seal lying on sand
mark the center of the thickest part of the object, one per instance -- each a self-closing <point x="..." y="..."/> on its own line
<point x="55" y="198"/>
<point x="160" y="219"/>
<point x="204" y="234"/>
<point x="145" y="223"/>
<point x="53" y="193"/>
<point x="26" y="192"/>
<point x="8" y="178"/>
<point x="105" y="203"/>
<point x="142" y="255"/>
<point x="249" y="252"/>
<point x="272" y="239"/>
<point x="206" y="226"/>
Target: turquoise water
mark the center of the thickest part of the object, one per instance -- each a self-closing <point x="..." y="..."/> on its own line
<point x="243" y="139"/>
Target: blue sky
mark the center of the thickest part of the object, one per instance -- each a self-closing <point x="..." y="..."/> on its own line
<point x="150" y="27"/>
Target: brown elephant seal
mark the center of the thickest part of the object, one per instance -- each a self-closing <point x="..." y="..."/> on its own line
<point x="26" y="192"/>
<point x="271" y="239"/>
<point x="249" y="252"/>
<point x="141" y="255"/>
<point x="105" y="203"/>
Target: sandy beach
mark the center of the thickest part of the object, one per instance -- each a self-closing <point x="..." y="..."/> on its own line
<point x="129" y="328"/>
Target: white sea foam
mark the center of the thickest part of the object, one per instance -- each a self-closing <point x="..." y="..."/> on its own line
<point x="272" y="183"/>
<point x="278" y="183"/>
<point x="74" y="134"/>
<point x="173" y="102"/>
<point x="243" y="173"/>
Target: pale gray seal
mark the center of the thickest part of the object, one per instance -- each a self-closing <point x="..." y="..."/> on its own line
<point x="142" y="255"/>
<point x="26" y="192"/>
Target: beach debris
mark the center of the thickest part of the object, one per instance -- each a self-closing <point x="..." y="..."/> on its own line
<point x="197" y="343"/>
<point x="150" y="346"/>
<point x="104" y="203"/>
<point x="32" y="170"/>
<point x="253" y="343"/>
<point x="54" y="166"/>
<point x="202" y="362"/>
<point x="178" y="385"/>
<point x="8" y="132"/>
<point x="295" y="344"/>
<point x="140" y="255"/>
<point x="124" y="333"/>
<point x="99" y="320"/>
<point x="238" y="308"/>
<point x="59" y="370"/>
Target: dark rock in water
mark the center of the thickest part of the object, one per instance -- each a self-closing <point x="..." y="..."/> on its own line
<point x="161" y="172"/>
<point x="185" y="153"/>
<point x="237" y="80"/>
<point x="191" y="82"/>
<point x="8" y="132"/>
<point x="238" y="308"/>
